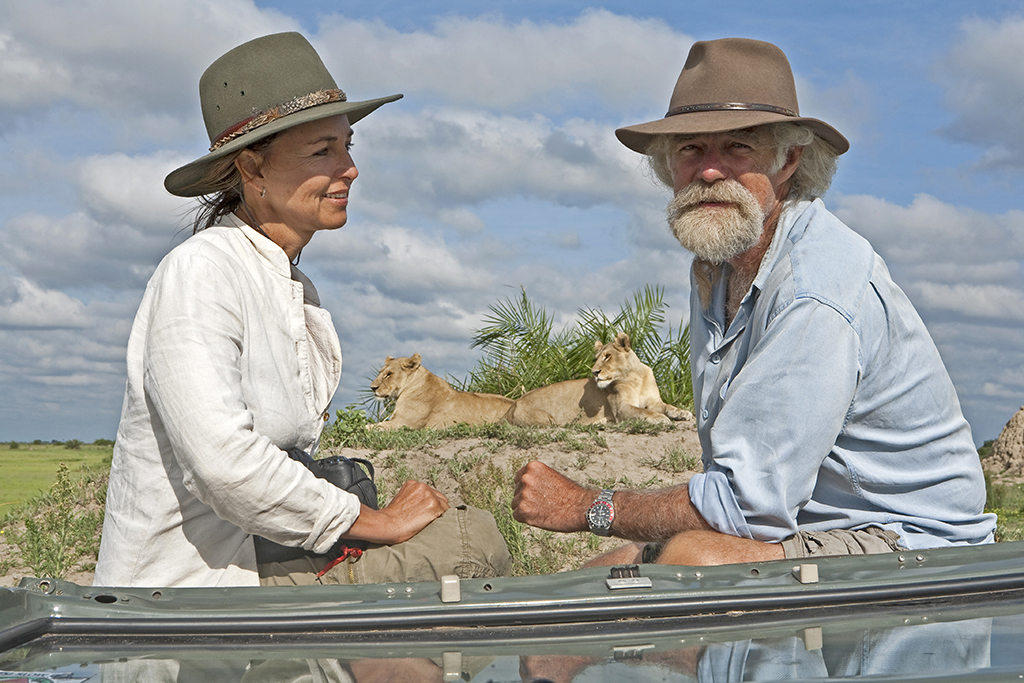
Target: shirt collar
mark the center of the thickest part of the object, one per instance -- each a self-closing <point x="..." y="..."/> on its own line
<point x="789" y="219"/>
<point x="274" y="255"/>
<point x="265" y="247"/>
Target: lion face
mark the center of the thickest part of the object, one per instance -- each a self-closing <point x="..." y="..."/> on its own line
<point x="394" y="376"/>
<point x="613" y="361"/>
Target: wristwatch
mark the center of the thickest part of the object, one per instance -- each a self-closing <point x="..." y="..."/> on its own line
<point x="601" y="513"/>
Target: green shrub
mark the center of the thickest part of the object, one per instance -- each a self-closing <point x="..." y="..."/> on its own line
<point x="521" y="352"/>
<point x="1007" y="502"/>
<point x="58" y="534"/>
<point x="73" y="444"/>
<point x="348" y="427"/>
<point x="1003" y="496"/>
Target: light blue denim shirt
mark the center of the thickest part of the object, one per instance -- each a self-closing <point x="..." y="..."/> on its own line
<point x="825" y="404"/>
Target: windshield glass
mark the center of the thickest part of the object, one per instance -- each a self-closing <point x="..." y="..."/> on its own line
<point x="963" y="649"/>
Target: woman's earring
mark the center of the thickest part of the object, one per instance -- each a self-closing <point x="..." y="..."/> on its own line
<point x="263" y="192"/>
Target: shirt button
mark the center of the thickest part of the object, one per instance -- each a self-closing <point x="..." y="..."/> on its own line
<point x="716" y="359"/>
<point x="326" y="416"/>
<point x="705" y="414"/>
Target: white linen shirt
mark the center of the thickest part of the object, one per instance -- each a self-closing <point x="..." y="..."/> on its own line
<point x="230" y="360"/>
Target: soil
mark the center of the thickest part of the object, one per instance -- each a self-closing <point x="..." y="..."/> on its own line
<point x="1007" y="457"/>
<point x="611" y="459"/>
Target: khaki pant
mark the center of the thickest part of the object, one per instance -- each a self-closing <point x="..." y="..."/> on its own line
<point x="464" y="541"/>
<point x="868" y="541"/>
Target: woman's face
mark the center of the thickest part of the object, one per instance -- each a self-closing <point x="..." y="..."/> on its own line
<point x="307" y="172"/>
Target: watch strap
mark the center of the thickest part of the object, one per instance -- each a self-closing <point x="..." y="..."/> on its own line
<point x="603" y="500"/>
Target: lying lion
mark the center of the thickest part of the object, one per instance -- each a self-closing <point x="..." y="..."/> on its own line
<point x="620" y="387"/>
<point x="426" y="400"/>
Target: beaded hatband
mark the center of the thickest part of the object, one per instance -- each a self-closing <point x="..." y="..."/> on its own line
<point x="250" y="124"/>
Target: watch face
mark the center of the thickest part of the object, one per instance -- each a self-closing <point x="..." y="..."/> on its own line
<point x="600" y="514"/>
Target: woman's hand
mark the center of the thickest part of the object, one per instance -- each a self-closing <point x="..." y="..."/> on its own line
<point x="414" y="506"/>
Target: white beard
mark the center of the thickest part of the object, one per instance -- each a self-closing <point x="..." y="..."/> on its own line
<point x="717" y="234"/>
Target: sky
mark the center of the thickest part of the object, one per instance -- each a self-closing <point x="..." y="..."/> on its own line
<point x="499" y="170"/>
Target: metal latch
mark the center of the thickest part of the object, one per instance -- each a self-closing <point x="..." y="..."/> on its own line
<point x="451" y="588"/>
<point x="627" y="576"/>
<point x="806" y="573"/>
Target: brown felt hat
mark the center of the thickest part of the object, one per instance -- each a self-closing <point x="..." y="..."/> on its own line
<point x="260" y="88"/>
<point x="729" y="84"/>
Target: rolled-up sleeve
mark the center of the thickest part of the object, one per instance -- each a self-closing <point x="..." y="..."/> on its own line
<point x="773" y="419"/>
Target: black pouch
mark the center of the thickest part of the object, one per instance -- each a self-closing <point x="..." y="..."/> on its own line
<point x="345" y="473"/>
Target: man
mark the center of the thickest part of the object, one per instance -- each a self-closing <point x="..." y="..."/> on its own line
<point x="827" y="421"/>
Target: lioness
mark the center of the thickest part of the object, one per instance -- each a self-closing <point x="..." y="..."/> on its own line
<point x="426" y="400"/>
<point x="620" y="387"/>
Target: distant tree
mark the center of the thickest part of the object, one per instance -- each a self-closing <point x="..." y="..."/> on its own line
<point x="14" y="445"/>
<point x="73" y="444"/>
<point x="102" y="442"/>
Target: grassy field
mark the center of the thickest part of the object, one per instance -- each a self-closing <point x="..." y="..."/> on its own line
<point x="30" y="469"/>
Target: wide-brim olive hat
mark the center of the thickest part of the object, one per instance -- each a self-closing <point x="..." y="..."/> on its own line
<point x="730" y="84"/>
<point x="257" y="89"/>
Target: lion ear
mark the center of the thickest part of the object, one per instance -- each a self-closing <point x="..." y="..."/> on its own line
<point x="597" y="346"/>
<point x="622" y="341"/>
<point x="388" y="359"/>
<point x="414" y="361"/>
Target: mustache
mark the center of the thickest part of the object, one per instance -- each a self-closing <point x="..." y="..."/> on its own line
<point x="715" y="235"/>
<point x="699" y="192"/>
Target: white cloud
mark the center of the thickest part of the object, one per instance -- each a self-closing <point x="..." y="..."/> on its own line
<point x="984" y="79"/>
<point x="133" y="64"/>
<point x="428" y="161"/>
<point x="949" y="259"/>
<point x="25" y="305"/>
<point x="77" y="251"/>
<point x="932" y="231"/>
<point x="410" y="266"/>
<point x="986" y="301"/>
<point x="1001" y="391"/>
<point x="117" y="188"/>
<point x="984" y="358"/>
<point x="625" y="63"/>
<point x="952" y="272"/>
<point x="463" y="220"/>
<point x="847" y="106"/>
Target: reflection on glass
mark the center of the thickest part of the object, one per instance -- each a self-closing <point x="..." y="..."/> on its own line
<point x="954" y="648"/>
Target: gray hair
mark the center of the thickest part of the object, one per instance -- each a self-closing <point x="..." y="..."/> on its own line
<point x="811" y="179"/>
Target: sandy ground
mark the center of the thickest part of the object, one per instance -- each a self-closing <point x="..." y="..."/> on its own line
<point x="622" y="460"/>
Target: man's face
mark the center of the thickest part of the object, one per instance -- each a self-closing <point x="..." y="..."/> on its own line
<point x="724" y="189"/>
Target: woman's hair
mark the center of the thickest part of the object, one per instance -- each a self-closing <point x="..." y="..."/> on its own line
<point x="810" y="180"/>
<point x="226" y="181"/>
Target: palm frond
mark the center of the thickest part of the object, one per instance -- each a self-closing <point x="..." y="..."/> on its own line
<point x="520" y="351"/>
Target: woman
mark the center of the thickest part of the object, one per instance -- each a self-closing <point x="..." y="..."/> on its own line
<point x="231" y="361"/>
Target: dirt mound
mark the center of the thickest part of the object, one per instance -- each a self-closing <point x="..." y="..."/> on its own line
<point x="1007" y="457"/>
<point x="601" y="459"/>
